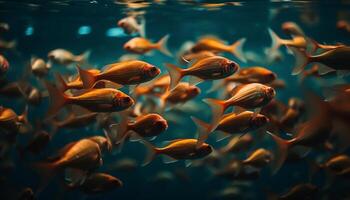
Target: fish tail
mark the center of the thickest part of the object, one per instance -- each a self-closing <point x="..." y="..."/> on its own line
<point x="142" y="28"/>
<point x="162" y="45"/>
<point x="62" y="82"/>
<point x="218" y="108"/>
<point x="175" y="74"/>
<point x="203" y="130"/>
<point x="57" y="98"/>
<point x="301" y="60"/>
<point x="281" y="153"/>
<point x="237" y="49"/>
<point x="86" y="77"/>
<point x="83" y="58"/>
<point x="24" y="116"/>
<point x="276" y="40"/>
<point x="151" y="150"/>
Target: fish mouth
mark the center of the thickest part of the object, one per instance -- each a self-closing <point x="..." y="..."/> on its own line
<point x="270" y="92"/>
<point x="153" y="71"/>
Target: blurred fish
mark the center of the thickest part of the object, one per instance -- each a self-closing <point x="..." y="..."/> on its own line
<point x="4" y="65"/>
<point x="26" y="194"/>
<point x="231" y="124"/>
<point x="179" y="149"/>
<point x="253" y="95"/>
<point x="163" y="177"/>
<point x="123" y="165"/>
<point x="36" y="145"/>
<point x="156" y="86"/>
<point x="131" y="25"/>
<point x="191" y="57"/>
<point x="253" y="74"/>
<point x="7" y="45"/>
<point x="298" y="41"/>
<point x="337" y="163"/>
<point x="301" y="191"/>
<point x="210" y="68"/>
<point x="99" y="183"/>
<point x="234" y="170"/>
<point x="216" y="45"/>
<point x="65" y="57"/>
<point x="142" y="45"/>
<point x="129" y="57"/>
<point x="124" y="73"/>
<point x="4" y="27"/>
<point x="343" y="25"/>
<point x="74" y="121"/>
<point x="238" y="144"/>
<point x="258" y="158"/>
<point x="10" y="121"/>
<point x="95" y="100"/>
<point x="39" y="67"/>
<point x="328" y="61"/>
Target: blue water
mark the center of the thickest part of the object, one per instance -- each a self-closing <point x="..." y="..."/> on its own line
<point x="41" y="26"/>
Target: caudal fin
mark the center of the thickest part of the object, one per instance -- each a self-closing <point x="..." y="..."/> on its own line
<point x="276" y="41"/>
<point x="151" y="151"/>
<point x="203" y="130"/>
<point x="162" y="45"/>
<point x="86" y="77"/>
<point x="57" y="99"/>
<point x="62" y="83"/>
<point x="83" y="58"/>
<point x="175" y="74"/>
<point x="301" y="60"/>
<point x="281" y="152"/>
<point x="218" y="108"/>
<point x="237" y="49"/>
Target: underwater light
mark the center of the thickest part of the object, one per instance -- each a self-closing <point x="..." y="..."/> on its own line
<point x="84" y="30"/>
<point x="115" y="32"/>
<point x="29" y="31"/>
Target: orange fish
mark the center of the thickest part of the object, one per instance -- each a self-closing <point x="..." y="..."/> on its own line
<point x="10" y="121"/>
<point x="179" y="149"/>
<point x="238" y="144"/>
<point x="131" y="25"/>
<point x="124" y="73"/>
<point x="249" y="96"/>
<point x="217" y="46"/>
<point x="297" y="41"/>
<point x="75" y="121"/>
<point x="210" y="68"/>
<point x="258" y="158"/>
<point x="293" y="29"/>
<point x="4" y="65"/>
<point x="343" y="25"/>
<point x="254" y="74"/>
<point x="231" y="124"/>
<point x="65" y="57"/>
<point x="142" y="45"/>
<point x="95" y="100"/>
<point x="331" y="60"/>
<point x="156" y="86"/>
<point x="190" y="57"/>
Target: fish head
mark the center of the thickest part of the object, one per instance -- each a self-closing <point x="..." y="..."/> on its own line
<point x="205" y="149"/>
<point x="129" y="45"/>
<point x="194" y="91"/>
<point x="122" y="100"/>
<point x="229" y="67"/>
<point x="150" y="70"/>
<point x="160" y="124"/>
<point x="122" y="23"/>
<point x="269" y="92"/>
<point x="258" y="121"/>
<point x="270" y="77"/>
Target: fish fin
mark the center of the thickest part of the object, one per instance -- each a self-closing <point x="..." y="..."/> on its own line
<point x="142" y="28"/>
<point x="203" y="131"/>
<point x="75" y="177"/>
<point x="86" y="77"/>
<point x="62" y="83"/>
<point x="132" y="88"/>
<point x="188" y="163"/>
<point x="168" y="159"/>
<point x="133" y="137"/>
<point x="23" y="118"/>
<point x="218" y="108"/>
<point x="222" y="136"/>
<point x="276" y="40"/>
<point x="162" y="45"/>
<point x="151" y="151"/>
<point x="83" y="58"/>
<point x="175" y="74"/>
<point x="57" y="98"/>
<point x="216" y="85"/>
<point x="281" y="153"/>
<point x="342" y="73"/>
<point x="107" y="84"/>
<point x="324" y="69"/>
<point x="194" y="80"/>
<point x="301" y="60"/>
<point x="237" y="49"/>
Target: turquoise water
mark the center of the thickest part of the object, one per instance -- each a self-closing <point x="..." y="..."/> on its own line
<point x="41" y="26"/>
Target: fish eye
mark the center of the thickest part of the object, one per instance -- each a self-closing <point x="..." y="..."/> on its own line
<point x="126" y="100"/>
